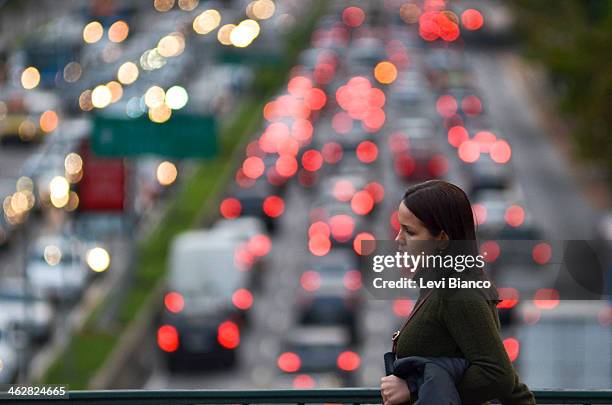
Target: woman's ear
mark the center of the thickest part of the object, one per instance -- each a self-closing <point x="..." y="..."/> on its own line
<point x="443" y="241"/>
<point x="442" y="236"/>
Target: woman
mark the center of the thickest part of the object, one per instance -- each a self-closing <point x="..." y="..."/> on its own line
<point x="451" y="328"/>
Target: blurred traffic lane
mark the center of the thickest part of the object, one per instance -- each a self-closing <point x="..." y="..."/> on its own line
<point x="548" y="181"/>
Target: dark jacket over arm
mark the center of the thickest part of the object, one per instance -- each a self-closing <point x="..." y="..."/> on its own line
<point x="466" y="327"/>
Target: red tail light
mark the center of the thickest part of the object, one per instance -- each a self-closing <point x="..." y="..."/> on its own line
<point x="289" y="362"/>
<point x="404" y="165"/>
<point x="362" y="203"/>
<point x="273" y="206"/>
<point x="167" y="338"/>
<point x="242" y="299"/>
<point x="230" y="208"/>
<point x="342" y="227"/>
<point x="364" y="248"/>
<point x="402" y="307"/>
<point x="437" y="165"/>
<point x="312" y="160"/>
<point x="303" y="381"/>
<point x="541" y="253"/>
<point x="228" y="335"/>
<point x="490" y="250"/>
<point x="367" y="151"/>
<point x="376" y="190"/>
<point x="512" y="347"/>
<point x="515" y="215"/>
<point x="310" y="280"/>
<point x="348" y="361"/>
<point x="509" y="296"/>
<point x="174" y="302"/>
<point x="546" y="298"/>
<point x="352" y="280"/>
<point x="260" y="245"/>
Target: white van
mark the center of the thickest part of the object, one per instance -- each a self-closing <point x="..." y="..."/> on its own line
<point x="203" y="312"/>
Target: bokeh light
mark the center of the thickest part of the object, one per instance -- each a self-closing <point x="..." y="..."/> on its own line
<point x="385" y="72"/>
<point x="48" y="121"/>
<point x="188" y="5"/>
<point x="167" y="173"/>
<point x="472" y="19"/>
<point x="261" y="9"/>
<point x="207" y="21"/>
<point x="223" y="35"/>
<point x="163" y="5"/>
<point x="154" y="97"/>
<point x="353" y="16"/>
<point x="98" y="259"/>
<point x="127" y="73"/>
<point x="72" y="72"/>
<point x="93" y="32"/>
<point x="118" y="31"/>
<point x="30" y="78"/>
<point x="101" y="96"/>
<point x="244" y="33"/>
<point x="176" y="97"/>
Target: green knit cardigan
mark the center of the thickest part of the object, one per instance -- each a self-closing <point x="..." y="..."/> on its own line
<point x="466" y="325"/>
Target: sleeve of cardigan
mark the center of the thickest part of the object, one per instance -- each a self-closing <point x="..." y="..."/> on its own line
<point x="521" y="395"/>
<point x="473" y="327"/>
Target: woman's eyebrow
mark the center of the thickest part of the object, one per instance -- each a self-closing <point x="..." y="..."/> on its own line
<point x="406" y="226"/>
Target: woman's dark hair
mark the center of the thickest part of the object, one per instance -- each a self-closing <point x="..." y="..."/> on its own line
<point x="442" y="206"/>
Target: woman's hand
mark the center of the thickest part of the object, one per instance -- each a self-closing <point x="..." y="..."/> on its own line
<point x="394" y="390"/>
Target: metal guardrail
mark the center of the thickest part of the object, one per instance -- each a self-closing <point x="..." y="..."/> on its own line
<point x="273" y="396"/>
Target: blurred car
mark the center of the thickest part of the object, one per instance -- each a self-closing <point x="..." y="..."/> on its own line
<point x="350" y="140"/>
<point x="329" y="304"/>
<point x="467" y="100"/>
<point x="55" y="269"/>
<point x="338" y="268"/>
<point x="25" y="310"/>
<point x="503" y="218"/>
<point x="323" y="353"/>
<point x="205" y="303"/>
<point x="343" y="222"/>
<point x="344" y="188"/>
<point x="8" y="357"/>
<point x="351" y="165"/>
<point x="485" y="174"/>
<point x="20" y="122"/>
<point x="252" y="201"/>
<point x="415" y="150"/>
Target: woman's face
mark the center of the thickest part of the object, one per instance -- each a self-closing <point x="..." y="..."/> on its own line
<point x="411" y="227"/>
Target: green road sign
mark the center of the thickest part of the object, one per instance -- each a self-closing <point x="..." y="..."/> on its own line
<point x="182" y="136"/>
